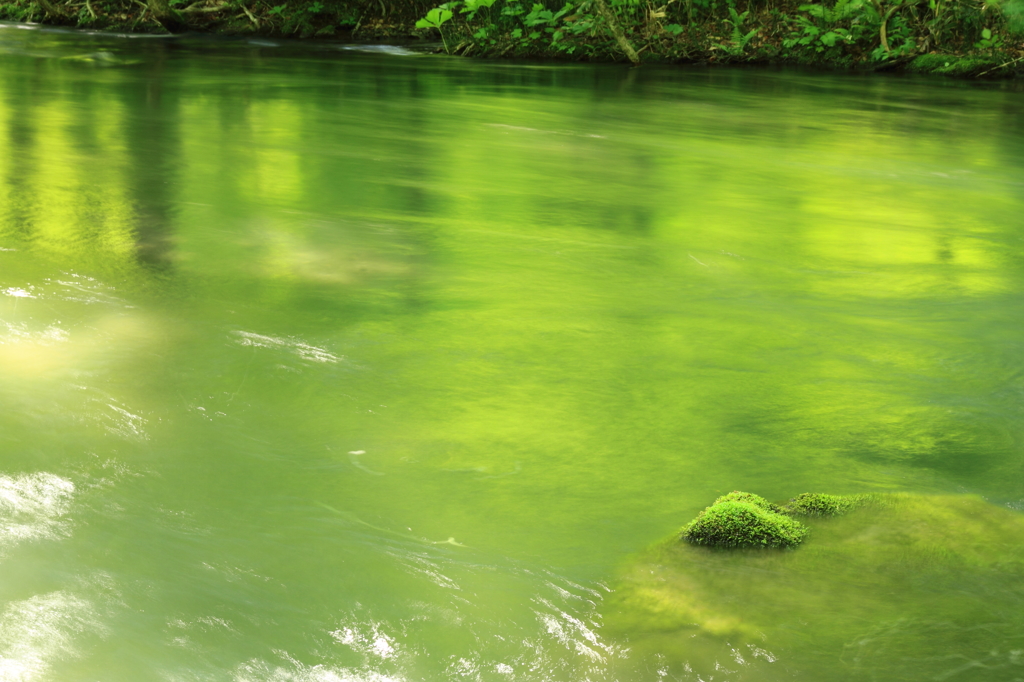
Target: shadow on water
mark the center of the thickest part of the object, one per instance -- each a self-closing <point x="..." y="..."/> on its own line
<point x="153" y="146"/>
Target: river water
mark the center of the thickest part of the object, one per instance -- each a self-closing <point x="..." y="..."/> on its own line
<point x="323" y="364"/>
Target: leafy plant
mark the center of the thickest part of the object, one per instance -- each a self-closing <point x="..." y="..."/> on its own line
<point x="512" y="9"/>
<point x="471" y="7"/>
<point x="988" y="41"/>
<point x="829" y="29"/>
<point x="435" y="19"/>
<point x="541" y="16"/>
<point x="739" y="39"/>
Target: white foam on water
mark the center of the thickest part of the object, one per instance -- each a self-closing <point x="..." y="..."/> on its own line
<point x="300" y="348"/>
<point x="379" y="49"/>
<point x="114" y="416"/>
<point x="294" y="671"/>
<point x="19" y="333"/>
<point x="368" y="639"/>
<point x="32" y="507"/>
<point x="69" y="286"/>
<point x="83" y="289"/>
<point x="422" y="565"/>
<point x="40" y="631"/>
<point x="121" y="422"/>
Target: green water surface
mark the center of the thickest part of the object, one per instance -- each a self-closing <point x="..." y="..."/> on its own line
<point x="322" y="365"/>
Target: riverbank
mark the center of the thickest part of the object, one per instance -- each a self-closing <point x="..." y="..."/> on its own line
<point x="952" y="37"/>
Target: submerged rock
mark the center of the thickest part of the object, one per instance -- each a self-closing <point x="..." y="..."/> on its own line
<point x="892" y="586"/>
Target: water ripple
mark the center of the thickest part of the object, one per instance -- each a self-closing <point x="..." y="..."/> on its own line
<point x="294" y="671"/>
<point x="39" y="631"/>
<point x="368" y="639"/>
<point x="32" y="506"/>
<point x="300" y="348"/>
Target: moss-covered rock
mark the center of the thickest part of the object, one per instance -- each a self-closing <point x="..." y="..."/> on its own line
<point x="750" y="498"/>
<point x="822" y="504"/>
<point x="904" y="587"/>
<point x="744" y="520"/>
<point x="952" y="65"/>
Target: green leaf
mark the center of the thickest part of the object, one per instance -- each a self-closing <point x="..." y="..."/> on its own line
<point x="562" y="12"/>
<point x="435" y="18"/>
<point x="986" y="34"/>
<point x="817" y="11"/>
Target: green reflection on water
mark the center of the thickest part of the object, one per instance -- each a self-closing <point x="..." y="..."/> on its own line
<point x="556" y="310"/>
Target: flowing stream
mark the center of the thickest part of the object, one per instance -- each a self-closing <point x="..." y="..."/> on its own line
<point x="322" y="364"/>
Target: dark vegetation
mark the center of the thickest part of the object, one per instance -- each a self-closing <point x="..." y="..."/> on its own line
<point x="958" y="37"/>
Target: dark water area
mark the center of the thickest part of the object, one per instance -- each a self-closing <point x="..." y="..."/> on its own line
<point x="330" y="364"/>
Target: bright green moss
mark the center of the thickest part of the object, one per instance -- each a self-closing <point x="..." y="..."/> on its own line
<point x="822" y="504"/>
<point x="951" y="65"/>
<point x="743" y="520"/>
<point x="903" y="586"/>
<point x="750" y="498"/>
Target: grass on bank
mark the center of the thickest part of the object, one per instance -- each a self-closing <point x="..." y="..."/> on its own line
<point x="957" y="37"/>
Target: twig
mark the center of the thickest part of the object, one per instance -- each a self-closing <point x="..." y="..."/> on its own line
<point x="882" y="30"/>
<point x="88" y="6"/>
<point x="996" y="68"/>
<point x="249" y="14"/>
<point x="141" y="16"/>
<point x="192" y="9"/>
<point x="50" y="8"/>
